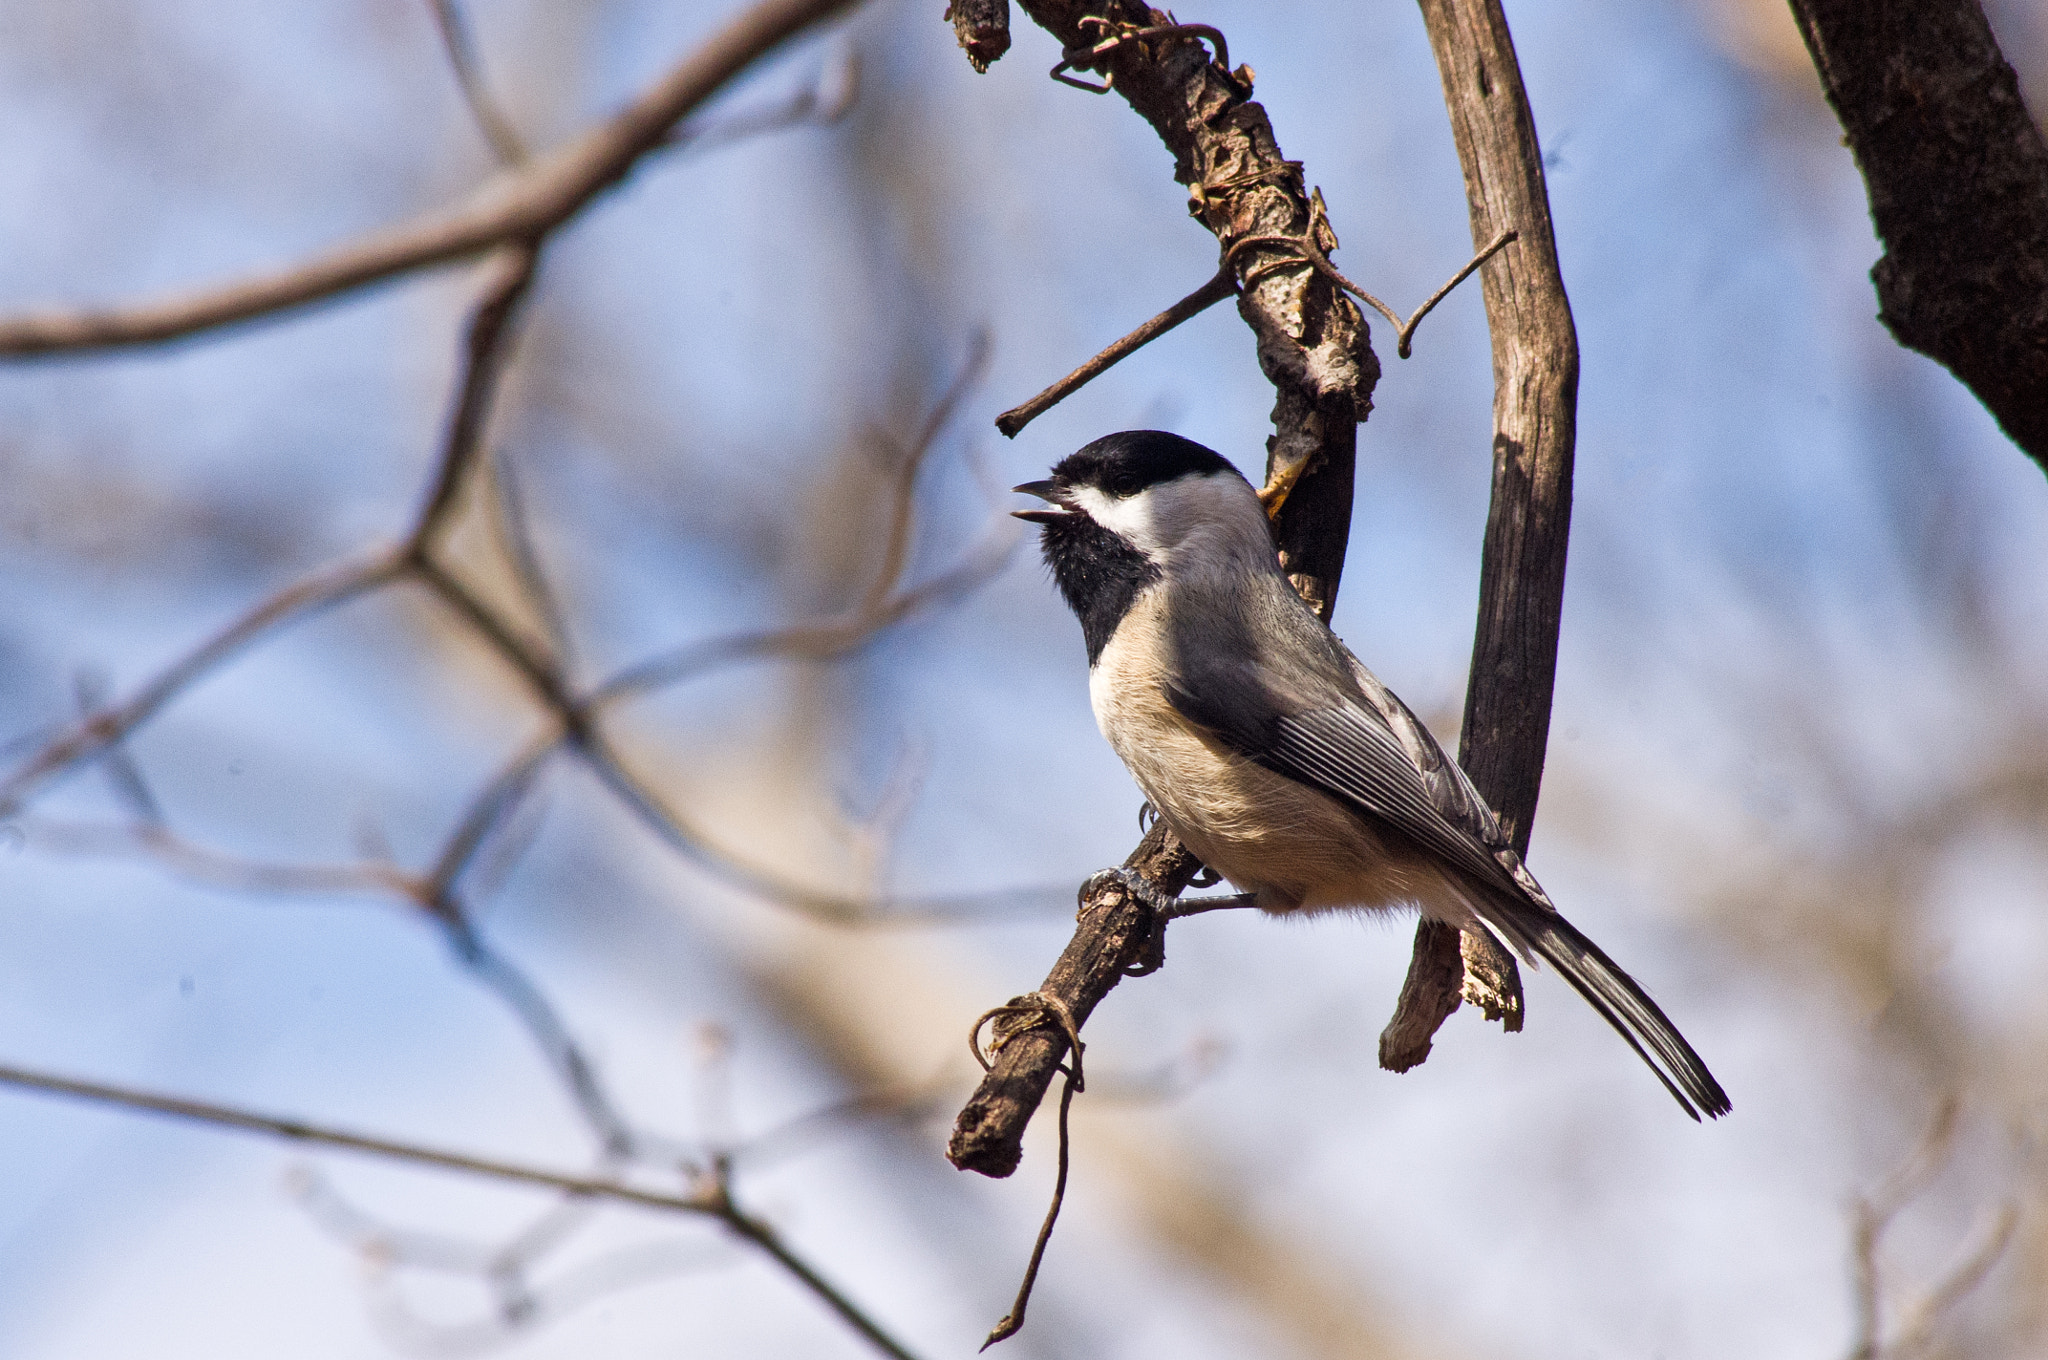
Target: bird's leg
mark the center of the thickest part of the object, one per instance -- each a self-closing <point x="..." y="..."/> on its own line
<point x="1166" y="908"/>
<point x="1195" y="906"/>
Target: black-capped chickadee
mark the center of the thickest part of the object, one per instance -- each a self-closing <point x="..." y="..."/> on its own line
<point x="1276" y="757"/>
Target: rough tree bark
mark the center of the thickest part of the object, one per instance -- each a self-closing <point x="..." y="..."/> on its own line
<point x="1521" y="574"/>
<point x="1957" y="174"/>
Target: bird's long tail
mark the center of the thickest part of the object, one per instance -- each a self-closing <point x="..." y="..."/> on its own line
<point x="1621" y="1001"/>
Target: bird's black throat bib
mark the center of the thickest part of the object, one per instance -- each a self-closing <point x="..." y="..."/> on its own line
<point x="1098" y="573"/>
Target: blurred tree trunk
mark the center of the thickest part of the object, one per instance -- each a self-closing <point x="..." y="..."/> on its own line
<point x="1958" y="180"/>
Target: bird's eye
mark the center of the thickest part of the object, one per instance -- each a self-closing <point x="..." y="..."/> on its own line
<point x="1124" y="484"/>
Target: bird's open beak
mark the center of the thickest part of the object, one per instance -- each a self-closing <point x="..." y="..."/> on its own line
<point x="1045" y="491"/>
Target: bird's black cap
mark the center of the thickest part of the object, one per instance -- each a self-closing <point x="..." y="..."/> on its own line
<point x="1127" y="462"/>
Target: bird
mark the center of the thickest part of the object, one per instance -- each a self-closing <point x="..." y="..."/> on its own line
<point x="1274" y="755"/>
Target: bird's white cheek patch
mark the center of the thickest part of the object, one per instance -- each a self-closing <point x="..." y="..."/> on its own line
<point x="1128" y="517"/>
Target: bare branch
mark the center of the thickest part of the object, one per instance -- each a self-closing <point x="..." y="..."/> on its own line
<point x="823" y="640"/>
<point x="201" y="864"/>
<point x="1223" y="285"/>
<point x="518" y="207"/>
<point x="834" y="908"/>
<point x="713" y="1198"/>
<point x="514" y="530"/>
<point x="322" y="590"/>
<point x="1871" y="1218"/>
<point x="761" y="1235"/>
<point x="1114" y="930"/>
<point x="827" y="99"/>
<point x="1521" y="572"/>
<point x="1916" y="1335"/>
<point x="223" y="1116"/>
<point x="507" y="276"/>
<point x="505" y="141"/>
<point x="486" y="813"/>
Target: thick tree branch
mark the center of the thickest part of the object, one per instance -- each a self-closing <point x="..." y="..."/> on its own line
<point x="1314" y="347"/>
<point x="516" y="207"/>
<point x="1958" y="179"/>
<point x="1521" y="580"/>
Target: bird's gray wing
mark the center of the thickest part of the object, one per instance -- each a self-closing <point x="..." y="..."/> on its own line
<point x="1252" y="665"/>
<point x="1354" y="752"/>
<point x="1262" y="674"/>
<point x="1450" y="791"/>
<point x="1345" y="747"/>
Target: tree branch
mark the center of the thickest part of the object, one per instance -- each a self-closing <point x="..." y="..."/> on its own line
<point x="1957" y="174"/>
<point x="712" y="1199"/>
<point x="1521" y="573"/>
<point x="506" y="143"/>
<point x="522" y="206"/>
<point x="982" y="28"/>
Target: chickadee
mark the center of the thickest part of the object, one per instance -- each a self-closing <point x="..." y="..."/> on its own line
<point x="1276" y="757"/>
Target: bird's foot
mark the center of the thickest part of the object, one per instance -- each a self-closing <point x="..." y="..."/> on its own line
<point x="1151" y="955"/>
<point x="1134" y="883"/>
<point x="1163" y="907"/>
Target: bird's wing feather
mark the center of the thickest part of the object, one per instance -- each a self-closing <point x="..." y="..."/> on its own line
<point x="1348" y="750"/>
<point x="1451" y="791"/>
<point x="1307" y="709"/>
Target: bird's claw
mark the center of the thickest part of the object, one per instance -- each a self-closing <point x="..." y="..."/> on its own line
<point x="1151" y="955"/>
<point x="1134" y="883"/>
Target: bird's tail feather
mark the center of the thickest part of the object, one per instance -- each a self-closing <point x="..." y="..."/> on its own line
<point x="1621" y="1001"/>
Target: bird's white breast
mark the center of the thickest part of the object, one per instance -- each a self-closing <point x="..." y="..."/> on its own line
<point x="1293" y="845"/>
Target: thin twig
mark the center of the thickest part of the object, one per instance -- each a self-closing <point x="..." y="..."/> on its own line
<point x="224" y="1116"/>
<point x="1024" y="1013"/>
<point x="826" y="100"/>
<point x="833" y="908"/>
<point x="514" y="530"/>
<point x="507" y="276"/>
<point x="1917" y="1333"/>
<point x="486" y="812"/>
<point x="1405" y="332"/>
<point x="538" y="1015"/>
<point x="505" y="141"/>
<point x="713" y="1199"/>
<point x="822" y="640"/>
<point x="1313" y="254"/>
<point x="539" y="673"/>
<point x="762" y="1236"/>
<point x="309" y="595"/>
<point x="1208" y="295"/>
<point x="214" y="868"/>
